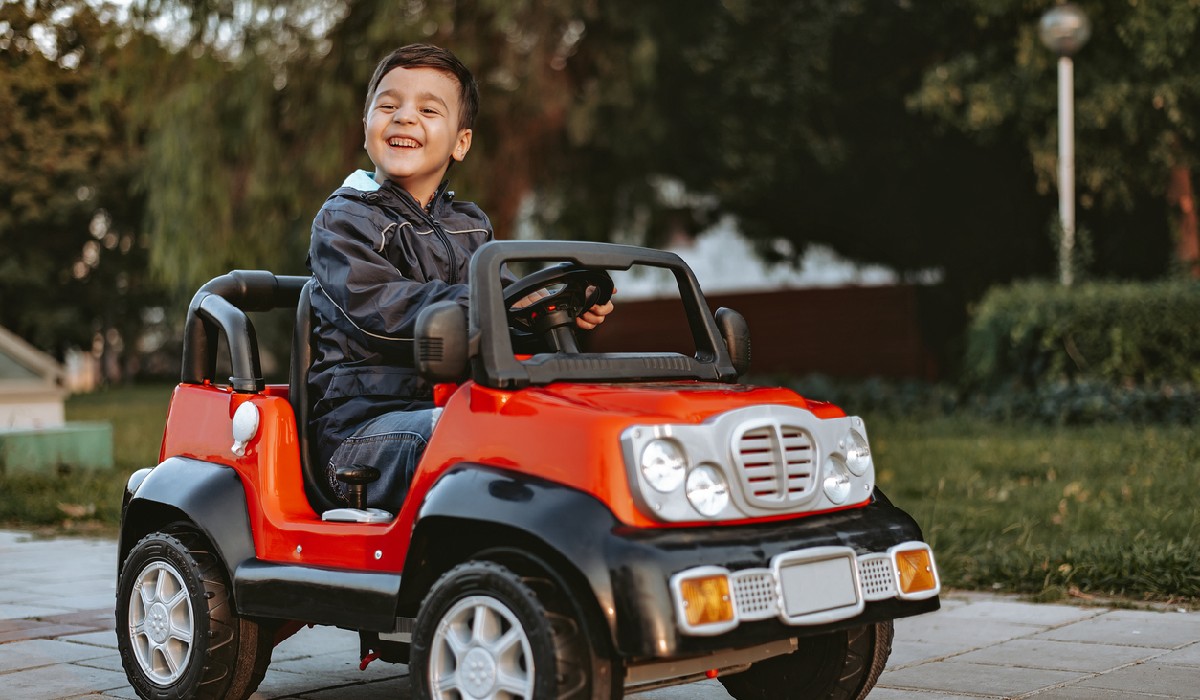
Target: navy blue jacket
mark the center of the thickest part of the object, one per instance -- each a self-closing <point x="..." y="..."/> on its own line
<point x="379" y="258"/>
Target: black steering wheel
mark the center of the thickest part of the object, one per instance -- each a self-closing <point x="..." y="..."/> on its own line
<point x="570" y="291"/>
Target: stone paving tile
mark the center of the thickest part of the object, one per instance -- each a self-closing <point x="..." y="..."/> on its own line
<point x="1132" y="628"/>
<point x="1062" y="656"/>
<point x="1073" y="692"/>
<point x="329" y="670"/>
<point x="1016" y="612"/>
<point x="386" y="690"/>
<point x="955" y="677"/>
<point x="33" y="653"/>
<point x="110" y="661"/>
<point x="17" y="630"/>
<point x="701" y="690"/>
<point x="125" y="693"/>
<point x="21" y="612"/>
<point x="99" y="618"/>
<point x="107" y="639"/>
<point x="906" y="652"/>
<point x="1187" y="656"/>
<point x="83" y="601"/>
<point x="319" y="640"/>
<point x="963" y="632"/>
<point x="881" y="693"/>
<point x="61" y="681"/>
<point x="1150" y="678"/>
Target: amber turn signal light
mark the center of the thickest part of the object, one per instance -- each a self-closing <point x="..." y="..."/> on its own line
<point x="706" y="600"/>
<point x="915" y="567"/>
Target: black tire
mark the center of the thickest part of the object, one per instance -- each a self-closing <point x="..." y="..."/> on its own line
<point x="841" y="665"/>
<point x="549" y="651"/>
<point x="183" y="639"/>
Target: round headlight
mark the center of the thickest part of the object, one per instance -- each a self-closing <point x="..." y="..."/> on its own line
<point x="707" y="491"/>
<point x="663" y="465"/>
<point x="858" y="453"/>
<point x="837" y="483"/>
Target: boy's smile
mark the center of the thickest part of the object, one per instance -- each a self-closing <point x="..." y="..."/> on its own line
<point x="411" y="129"/>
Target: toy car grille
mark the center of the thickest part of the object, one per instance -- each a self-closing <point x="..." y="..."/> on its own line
<point x="754" y="594"/>
<point x="877" y="577"/>
<point x="776" y="465"/>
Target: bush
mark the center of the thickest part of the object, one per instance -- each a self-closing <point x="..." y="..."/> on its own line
<point x="1038" y="334"/>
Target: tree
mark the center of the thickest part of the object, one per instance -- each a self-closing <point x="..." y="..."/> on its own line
<point x="72" y="263"/>
<point x="1137" y="112"/>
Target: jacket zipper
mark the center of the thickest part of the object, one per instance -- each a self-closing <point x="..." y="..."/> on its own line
<point x="441" y="233"/>
<point x="437" y="228"/>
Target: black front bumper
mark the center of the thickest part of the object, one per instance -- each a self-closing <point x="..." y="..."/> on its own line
<point x="641" y="562"/>
<point x="627" y="570"/>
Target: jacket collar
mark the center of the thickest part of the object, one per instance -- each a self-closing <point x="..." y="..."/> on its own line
<point x="363" y="183"/>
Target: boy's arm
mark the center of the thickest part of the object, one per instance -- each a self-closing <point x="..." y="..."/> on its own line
<point x="365" y="286"/>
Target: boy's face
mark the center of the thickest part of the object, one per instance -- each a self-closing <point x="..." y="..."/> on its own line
<point x="412" y="129"/>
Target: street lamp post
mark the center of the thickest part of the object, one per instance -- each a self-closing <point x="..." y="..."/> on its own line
<point x="1064" y="30"/>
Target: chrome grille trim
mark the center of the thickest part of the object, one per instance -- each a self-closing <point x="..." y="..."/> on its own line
<point x="755" y="594"/>
<point x="776" y="464"/>
<point x="877" y="576"/>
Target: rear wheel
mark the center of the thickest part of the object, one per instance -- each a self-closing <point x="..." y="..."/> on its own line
<point x="841" y="665"/>
<point x="486" y="632"/>
<point x="177" y="631"/>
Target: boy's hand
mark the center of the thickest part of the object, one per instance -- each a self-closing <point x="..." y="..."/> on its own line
<point x="594" y="316"/>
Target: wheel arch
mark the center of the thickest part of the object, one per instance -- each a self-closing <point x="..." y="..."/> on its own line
<point x="206" y="495"/>
<point x="515" y="519"/>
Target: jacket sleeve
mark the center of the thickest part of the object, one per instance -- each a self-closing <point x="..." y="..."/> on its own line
<point x="367" y="289"/>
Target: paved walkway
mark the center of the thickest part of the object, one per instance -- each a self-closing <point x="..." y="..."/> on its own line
<point x="57" y="641"/>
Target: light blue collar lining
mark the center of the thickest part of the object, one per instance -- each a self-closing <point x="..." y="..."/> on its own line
<point x="361" y="180"/>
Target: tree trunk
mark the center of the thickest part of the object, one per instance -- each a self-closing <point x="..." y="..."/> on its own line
<point x="1187" y="244"/>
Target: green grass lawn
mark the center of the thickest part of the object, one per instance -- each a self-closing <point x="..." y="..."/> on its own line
<point x="1049" y="511"/>
<point x="91" y="500"/>
<point x="1108" y="510"/>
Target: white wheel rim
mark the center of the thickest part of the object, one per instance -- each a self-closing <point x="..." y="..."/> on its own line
<point x="161" y="623"/>
<point x="480" y="650"/>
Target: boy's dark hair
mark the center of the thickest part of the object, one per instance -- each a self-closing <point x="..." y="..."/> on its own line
<point x="428" y="56"/>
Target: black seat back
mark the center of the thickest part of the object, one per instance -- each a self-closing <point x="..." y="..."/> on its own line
<point x="316" y="483"/>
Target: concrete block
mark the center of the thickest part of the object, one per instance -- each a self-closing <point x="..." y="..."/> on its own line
<point x="80" y="445"/>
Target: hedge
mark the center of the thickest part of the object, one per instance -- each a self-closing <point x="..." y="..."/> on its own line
<point x="1038" y="334"/>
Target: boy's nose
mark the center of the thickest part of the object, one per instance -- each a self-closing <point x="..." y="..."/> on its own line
<point x="404" y="115"/>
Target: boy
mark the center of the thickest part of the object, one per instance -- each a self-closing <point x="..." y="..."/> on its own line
<point x="385" y="246"/>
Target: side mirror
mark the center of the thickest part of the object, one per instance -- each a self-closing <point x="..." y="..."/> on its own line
<point x="736" y="334"/>
<point x="440" y="345"/>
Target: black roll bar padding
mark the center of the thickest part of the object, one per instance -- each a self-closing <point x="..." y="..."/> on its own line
<point x="495" y="366"/>
<point x="220" y="306"/>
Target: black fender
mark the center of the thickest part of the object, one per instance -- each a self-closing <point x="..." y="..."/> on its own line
<point x="541" y="518"/>
<point x="211" y="497"/>
<point x="208" y="495"/>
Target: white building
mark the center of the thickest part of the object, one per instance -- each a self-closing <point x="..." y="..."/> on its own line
<point x="31" y="391"/>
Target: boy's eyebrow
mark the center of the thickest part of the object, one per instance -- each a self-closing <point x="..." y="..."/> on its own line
<point x="423" y="96"/>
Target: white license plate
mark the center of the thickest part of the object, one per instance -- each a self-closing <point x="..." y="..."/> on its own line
<point x="818" y="589"/>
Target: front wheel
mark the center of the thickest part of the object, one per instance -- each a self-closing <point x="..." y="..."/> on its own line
<point x="177" y="632"/>
<point x="841" y="665"/>
<point x="486" y="632"/>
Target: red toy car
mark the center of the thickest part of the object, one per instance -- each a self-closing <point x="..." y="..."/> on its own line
<point x="581" y="525"/>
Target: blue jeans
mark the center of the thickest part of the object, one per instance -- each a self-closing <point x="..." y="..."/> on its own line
<point x="392" y="443"/>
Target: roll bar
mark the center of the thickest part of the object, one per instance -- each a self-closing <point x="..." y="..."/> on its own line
<point x="220" y="306"/>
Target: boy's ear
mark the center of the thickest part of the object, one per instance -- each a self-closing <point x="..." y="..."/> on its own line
<point x="463" y="145"/>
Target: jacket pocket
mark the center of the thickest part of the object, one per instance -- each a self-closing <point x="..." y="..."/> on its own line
<point x="374" y="381"/>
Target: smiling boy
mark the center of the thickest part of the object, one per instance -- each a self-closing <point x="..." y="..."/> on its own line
<point x="384" y="246"/>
